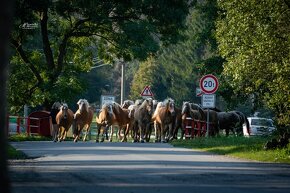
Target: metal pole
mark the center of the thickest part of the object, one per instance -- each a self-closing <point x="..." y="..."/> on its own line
<point x="207" y="123"/>
<point x="122" y="82"/>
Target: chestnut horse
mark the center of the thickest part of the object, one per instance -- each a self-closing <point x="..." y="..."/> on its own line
<point x="112" y="114"/>
<point x="104" y="121"/>
<point x="164" y="117"/>
<point x="82" y="119"/>
<point x="64" y="120"/>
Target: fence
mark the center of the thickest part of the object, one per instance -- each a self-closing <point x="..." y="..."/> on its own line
<point x="28" y="125"/>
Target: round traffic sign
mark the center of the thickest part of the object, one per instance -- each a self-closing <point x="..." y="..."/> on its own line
<point x="209" y="84"/>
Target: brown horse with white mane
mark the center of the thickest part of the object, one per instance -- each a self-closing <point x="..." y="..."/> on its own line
<point x="64" y="120"/>
<point x="82" y="119"/>
<point x="164" y="117"/>
<point x="112" y="114"/>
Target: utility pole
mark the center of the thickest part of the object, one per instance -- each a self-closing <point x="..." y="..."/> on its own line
<point x="122" y="81"/>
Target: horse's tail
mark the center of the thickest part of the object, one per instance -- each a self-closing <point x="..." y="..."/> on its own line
<point x="247" y="125"/>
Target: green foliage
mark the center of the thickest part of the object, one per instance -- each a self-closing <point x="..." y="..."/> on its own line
<point x="240" y="147"/>
<point x="49" y="58"/>
<point x="254" y="38"/>
<point x="177" y="68"/>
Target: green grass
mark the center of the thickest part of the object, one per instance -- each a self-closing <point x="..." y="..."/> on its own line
<point x="15" y="154"/>
<point x="239" y="147"/>
<point x="24" y="137"/>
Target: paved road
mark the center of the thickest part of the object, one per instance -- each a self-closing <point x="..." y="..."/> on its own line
<point x="131" y="168"/>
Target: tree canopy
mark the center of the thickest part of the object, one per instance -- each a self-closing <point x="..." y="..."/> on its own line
<point x="254" y="39"/>
<point x="56" y="40"/>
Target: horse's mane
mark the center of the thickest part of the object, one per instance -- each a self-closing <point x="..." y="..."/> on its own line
<point x="117" y="107"/>
<point x="87" y="105"/>
<point x="144" y="103"/>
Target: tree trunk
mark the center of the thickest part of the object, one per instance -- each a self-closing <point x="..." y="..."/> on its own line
<point x="6" y="12"/>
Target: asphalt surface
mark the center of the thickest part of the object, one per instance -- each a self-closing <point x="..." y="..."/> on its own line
<point x="83" y="167"/>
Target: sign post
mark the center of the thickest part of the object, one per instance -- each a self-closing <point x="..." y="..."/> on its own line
<point x="209" y="85"/>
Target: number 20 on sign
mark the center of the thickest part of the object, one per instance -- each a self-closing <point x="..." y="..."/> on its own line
<point x="208" y="84"/>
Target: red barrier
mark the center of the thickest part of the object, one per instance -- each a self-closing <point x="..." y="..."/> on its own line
<point x="29" y="125"/>
<point x="195" y="128"/>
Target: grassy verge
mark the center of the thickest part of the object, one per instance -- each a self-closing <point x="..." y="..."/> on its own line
<point x="15" y="154"/>
<point x="24" y="137"/>
<point x="240" y="147"/>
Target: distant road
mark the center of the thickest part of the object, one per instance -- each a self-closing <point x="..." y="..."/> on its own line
<point x="69" y="167"/>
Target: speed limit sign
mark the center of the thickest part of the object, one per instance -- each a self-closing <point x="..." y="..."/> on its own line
<point x="209" y="84"/>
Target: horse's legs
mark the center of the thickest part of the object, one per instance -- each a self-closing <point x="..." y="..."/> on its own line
<point x="55" y="132"/>
<point x="163" y="134"/>
<point x="98" y="133"/>
<point x="111" y="134"/>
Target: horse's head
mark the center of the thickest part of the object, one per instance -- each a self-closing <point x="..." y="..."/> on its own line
<point x="185" y="108"/>
<point x="170" y="106"/>
<point x="63" y="109"/>
<point x="127" y="103"/>
<point x="83" y="105"/>
<point x="148" y="104"/>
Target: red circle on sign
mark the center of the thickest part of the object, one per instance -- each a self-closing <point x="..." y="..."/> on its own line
<point x="209" y="84"/>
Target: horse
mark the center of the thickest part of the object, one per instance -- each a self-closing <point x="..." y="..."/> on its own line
<point x="163" y="118"/>
<point x="54" y="127"/>
<point x="104" y="121"/>
<point x="232" y="121"/>
<point x="127" y="103"/>
<point x="142" y="120"/>
<point x="64" y="120"/>
<point x="177" y="123"/>
<point x="82" y="119"/>
<point x="122" y="120"/>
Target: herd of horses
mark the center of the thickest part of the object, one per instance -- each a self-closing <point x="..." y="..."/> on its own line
<point x="141" y="118"/>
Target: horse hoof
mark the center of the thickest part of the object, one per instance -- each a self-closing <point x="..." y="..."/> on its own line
<point x="75" y="140"/>
<point x="97" y="141"/>
<point x="142" y="141"/>
<point x="102" y="140"/>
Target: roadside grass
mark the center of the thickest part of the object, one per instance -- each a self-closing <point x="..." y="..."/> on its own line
<point x="239" y="147"/>
<point x="15" y="154"/>
<point x="24" y="137"/>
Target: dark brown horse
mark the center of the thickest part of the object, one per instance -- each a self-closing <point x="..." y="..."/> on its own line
<point x="82" y="119"/>
<point x="64" y="120"/>
<point x="142" y="120"/>
<point x="164" y="118"/>
<point x="233" y="121"/>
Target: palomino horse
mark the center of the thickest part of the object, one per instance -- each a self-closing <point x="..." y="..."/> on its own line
<point x="64" y="120"/>
<point x="82" y="119"/>
<point x="164" y="117"/>
<point x="142" y="120"/>
<point x="104" y="121"/>
<point x="112" y="114"/>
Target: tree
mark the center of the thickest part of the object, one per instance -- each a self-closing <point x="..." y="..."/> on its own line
<point x="48" y="59"/>
<point x="6" y="12"/>
<point x="181" y="65"/>
<point x="254" y="39"/>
